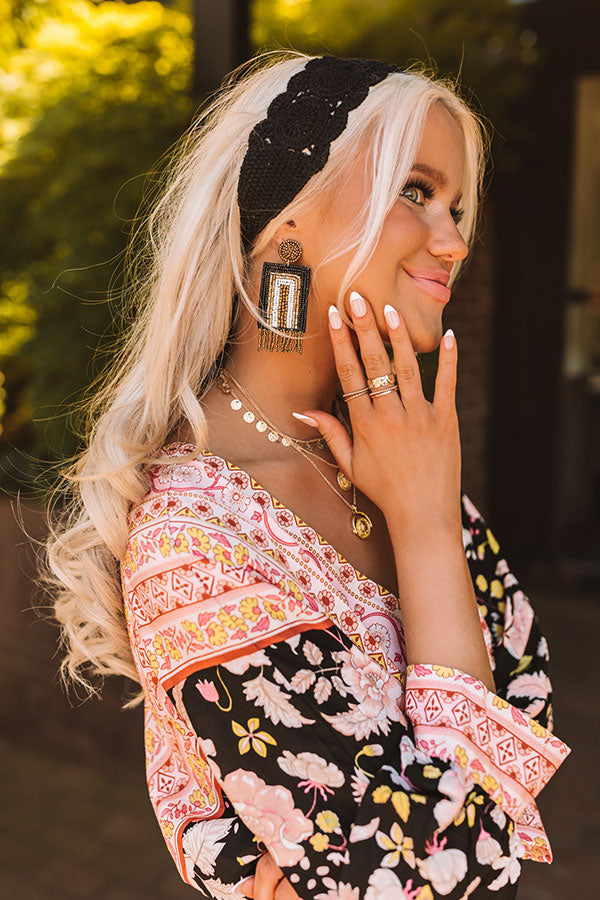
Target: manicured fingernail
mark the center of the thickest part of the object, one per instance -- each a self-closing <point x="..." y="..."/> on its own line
<point x="391" y="316"/>
<point x="334" y="317"/>
<point x="308" y="419"/>
<point x="449" y="339"/>
<point x="359" y="307"/>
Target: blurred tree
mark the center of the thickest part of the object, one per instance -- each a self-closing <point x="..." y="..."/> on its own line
<point x="90" y="97"/>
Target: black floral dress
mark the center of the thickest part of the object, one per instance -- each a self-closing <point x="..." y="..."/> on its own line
<point x="281" y="714"/>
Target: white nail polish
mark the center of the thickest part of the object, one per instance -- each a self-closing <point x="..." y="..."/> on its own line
<point x="449" y="339"/>
<point x="334" y="317"/>
<point x="357" y="304"/>
<point x="308" y="419"/>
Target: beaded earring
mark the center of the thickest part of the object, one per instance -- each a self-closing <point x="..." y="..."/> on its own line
<point x="283" y="300"/>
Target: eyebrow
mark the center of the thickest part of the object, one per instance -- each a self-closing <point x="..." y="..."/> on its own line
<point x="435" y="175"/>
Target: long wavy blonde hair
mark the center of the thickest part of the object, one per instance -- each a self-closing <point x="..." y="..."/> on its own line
<point x="186" y="265"/>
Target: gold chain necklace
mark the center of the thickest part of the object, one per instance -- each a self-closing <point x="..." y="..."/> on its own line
<point x="361" y="523"/>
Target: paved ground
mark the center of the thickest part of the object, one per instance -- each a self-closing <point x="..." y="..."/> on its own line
<point x="77" y="823"/>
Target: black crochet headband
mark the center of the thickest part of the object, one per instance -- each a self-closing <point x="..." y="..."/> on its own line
<point x="292" y="143"/>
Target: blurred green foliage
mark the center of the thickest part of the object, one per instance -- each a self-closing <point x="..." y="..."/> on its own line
<point x="91" y="95"/>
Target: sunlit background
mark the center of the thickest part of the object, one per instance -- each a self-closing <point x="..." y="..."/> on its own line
<point x="92" y="96"/>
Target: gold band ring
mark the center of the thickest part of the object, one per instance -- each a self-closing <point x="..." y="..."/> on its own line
<point x="382" y="393"/>
<point x="381" y="381"/>
<point x="352" y="394"/>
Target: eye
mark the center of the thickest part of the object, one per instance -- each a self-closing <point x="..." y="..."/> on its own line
<point x="415" y="184"/>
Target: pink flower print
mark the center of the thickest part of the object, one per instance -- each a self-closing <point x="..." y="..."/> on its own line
<point x="156" y="506"/>
<point x="269" y="812"/>
<point x="329" y="554"/>
<point x="235" y="496"/>
<point x="377" y="639"/>
<point x="349" y="621"/>
<point x="309" y="535"/>
<point x="202" y="507"/>
<point x="284" y="518"/>
<point x="374" y="688"/>
<point x="338" y="891"/>
<point x="311" y="768"/>
<point x="443" y="868"/>
<point x="384" y="884"/>
<point x="213" y="462"/>
<point x="231" y="521"/>
<point x="390" y="603"/>
<point x="304" y="579"/>
<point x="519" y="618"/>
<point x="346" y="573"/>
<point x="367" y="589"/>
<point x="208" y="690"/>
<point x="240" y="480"/>
<point x="262" y="499"/>
<point x="326" y="600"/>
<point x="454" y="784"/>
<point x="259" y="538"/>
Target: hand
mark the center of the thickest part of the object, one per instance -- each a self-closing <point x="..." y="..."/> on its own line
<point x="268" y="882"/>
<point x="404" y="453"/>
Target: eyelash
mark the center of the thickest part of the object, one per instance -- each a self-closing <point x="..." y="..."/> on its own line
<point x="428" y="193"/>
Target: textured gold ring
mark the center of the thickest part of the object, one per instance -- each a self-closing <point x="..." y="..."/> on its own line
<point x="384" y="391"/>
<point x="381" y="380"/>
<point x="352" y="394"/>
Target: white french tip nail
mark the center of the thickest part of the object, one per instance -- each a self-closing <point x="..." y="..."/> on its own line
<point x="308" y="419"/>
<point x="449" y="339"/>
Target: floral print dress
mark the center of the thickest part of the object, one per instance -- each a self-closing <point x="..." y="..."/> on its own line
<point x="280" y="713"/>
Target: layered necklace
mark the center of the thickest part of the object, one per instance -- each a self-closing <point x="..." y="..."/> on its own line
<point x="252" y="414"/>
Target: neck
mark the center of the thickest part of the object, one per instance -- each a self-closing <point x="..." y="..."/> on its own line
<point x="282" y="383"/>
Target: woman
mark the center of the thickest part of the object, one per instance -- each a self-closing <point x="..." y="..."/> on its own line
<point x="342" y="678"/>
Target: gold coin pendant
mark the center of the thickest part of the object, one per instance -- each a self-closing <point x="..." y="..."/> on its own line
<point x="361" y="525"/>
<point x="343" y="481"/>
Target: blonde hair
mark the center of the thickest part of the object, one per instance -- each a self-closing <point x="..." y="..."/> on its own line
<point x="186" y="264"/>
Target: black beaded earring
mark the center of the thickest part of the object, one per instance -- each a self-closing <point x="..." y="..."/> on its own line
<point x="283" y="300"/>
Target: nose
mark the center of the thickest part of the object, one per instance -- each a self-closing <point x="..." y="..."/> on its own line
<point x="446" y="241"/>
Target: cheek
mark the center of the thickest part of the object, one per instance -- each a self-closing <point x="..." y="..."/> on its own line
<point x="404" y="232"/>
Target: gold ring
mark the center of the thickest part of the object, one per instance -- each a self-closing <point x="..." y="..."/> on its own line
<point x="352" y="394"/>
<point x="381" y="380"/>
<point x="382" y="393"/>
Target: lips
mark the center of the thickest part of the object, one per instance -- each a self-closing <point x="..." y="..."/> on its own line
<point x="433" y="281"/>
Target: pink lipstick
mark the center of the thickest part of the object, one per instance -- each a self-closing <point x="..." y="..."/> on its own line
<point x="433" y="281"/>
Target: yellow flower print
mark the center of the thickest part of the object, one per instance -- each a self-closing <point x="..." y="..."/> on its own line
<point x="164" y="545"/>
<point x="496" y="588"/>
<point x="538" y="729"/>
<point x="460" y="756"/>
<point x="481" y="582"/>
<point x="500" y="702"/>
<point x="216" y="634"/>
<point x="327" y="821"/>
<point x="430" y="771"/>
<point x="489" y="784"/>
<point x="240" y="554"/>
<point x="443" y="671"/>
<point x="274" y="610"/>
<point x="469" y="809"/>
<point x="250" y="609"/>
<point x="149" y="741"/>
<point x="180" y="543"/>
<point x="194" y="629"/>
<point x="222" y="555"/>
<point x="153" y="661"/>
<point x="167" y="828"/>
<point x="397" y="845"/>
<point x="494" y="545"/>
<point x="401" y="804"/>
<point x="425" y="893"/>
<point x="231" y="622"/>
<point x="199" y="538"/>
<point x="418" y="798"/>
<point x="172" y="650"/>
<point x="502" y="607"/>
<point x="295" y="591"/>
<point x="197" y="799"/>
<point x="382" y="793"/>
<point x="157" y="643"/>
<point x="319" y="841"/>
<point x="250" y="737"/>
